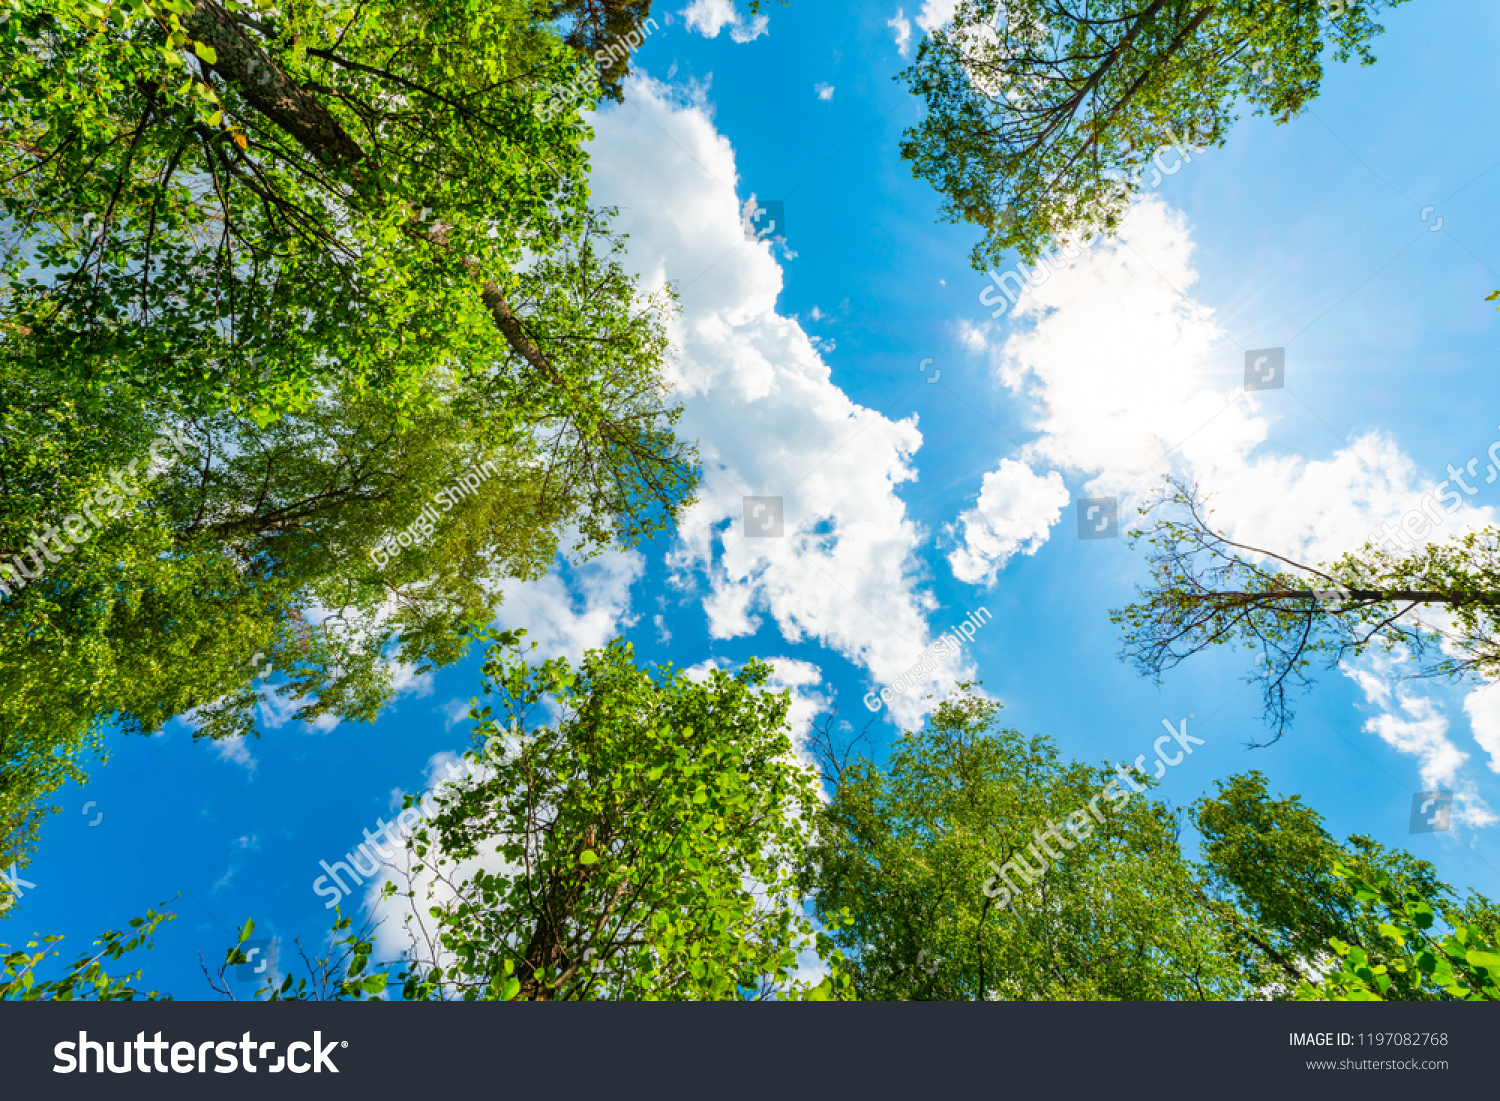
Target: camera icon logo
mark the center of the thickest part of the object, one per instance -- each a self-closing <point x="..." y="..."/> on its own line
<point x="1431" y="811"/>
<point x="260" y="961"/>
<point x="1265" y="369"/>
<point x="763" y="518"/>
<point x="764" y="221"/>
<point x="1099" y="518"/>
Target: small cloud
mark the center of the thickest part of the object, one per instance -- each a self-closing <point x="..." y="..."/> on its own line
<point x="224" y="879"/>
<point x="251" y="842"/>
<point x="1014" y="514"/>
<point x="972" y="336"/>
<point x="816" y="314"/>
<point x="662" y="634"/>
<point x="455" y="711"/>
<point x="709" y="17"/>
<point x="902" y="26"/>
<point x="405" y="679"/>
<point x="236" y="752"/>
<point x="324" y="723"/>
<point x="824" y="90"/>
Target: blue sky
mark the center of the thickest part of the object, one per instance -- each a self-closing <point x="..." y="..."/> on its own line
<point x="909" y="503"/>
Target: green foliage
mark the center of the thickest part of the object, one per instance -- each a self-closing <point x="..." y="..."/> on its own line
<point x="1273" y="871"/>
<point x="640" y="846"/>
<point x="1042" y="114"/>
<point x="603" y="25"/>
<point x="911" y="852"/>
<point x="85" y="978"/>
<point x="169" y="222"/>
<point x="341" y="974"/>
<point x="1208" y="590"/>
<point x="336" y="246"/>
<point x="1416" y="959"/>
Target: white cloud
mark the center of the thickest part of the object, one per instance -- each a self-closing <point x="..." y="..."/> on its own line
<point x="902" y="28"/>
<point x="936" y="13"/>
<point x="1414" y="725"/>
<point x="768" y="419"/>
<point x="567" y="620"/>
<point x="1482" y="705"/>
<point x="709" y="17"/>
<point x="235" y="751"/>
<point x="1131" y="378"/>
<point x="407" y="681"/>
<point x="455" y="711"/>
<point x="824" y="90"/>
<point x="1016" y="508"/>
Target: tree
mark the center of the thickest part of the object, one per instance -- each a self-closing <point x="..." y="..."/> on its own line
<point x="1042" y="114"/>
<point x="243" y="216"/>
<point x="1288" y="891"/>
<point x="336" y="194"/>
<point x="1436" y="604"/>
<point x="228" y="552"/>
<point x="944" y="861"/>
<point x="85" y="979"/>
<point x="641" y="845"/>
<point x="342" y="974"/>
<point x="307" y="259"/>
<point x="1420" y="961"/>
<point x="595" y="26"/>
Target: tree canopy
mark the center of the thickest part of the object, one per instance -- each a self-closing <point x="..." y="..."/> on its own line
<point x="973" y="868"/>
<point x="642" y="844"/>
<point x="1435" y="604"/>
<point x="1041" y="115"/>
<point x="336" y="251"/>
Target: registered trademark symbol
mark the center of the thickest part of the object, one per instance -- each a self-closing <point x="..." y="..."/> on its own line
<point x="343" y="1043"/>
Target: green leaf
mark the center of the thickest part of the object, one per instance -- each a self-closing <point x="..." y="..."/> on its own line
<point x="1490" y="961"/>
